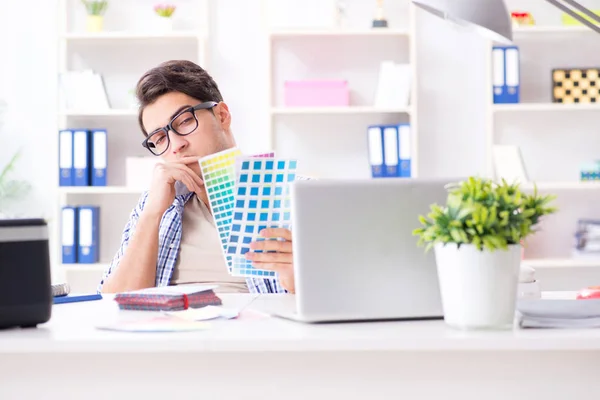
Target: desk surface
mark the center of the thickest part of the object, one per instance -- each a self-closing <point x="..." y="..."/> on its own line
<point x="72" y="328"/>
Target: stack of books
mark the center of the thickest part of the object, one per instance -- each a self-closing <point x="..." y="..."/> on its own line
<point x="587" y="239"/>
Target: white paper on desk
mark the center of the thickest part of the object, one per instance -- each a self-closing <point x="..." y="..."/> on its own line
<point x="204" y="313"/>
<point x="162" y="323"/>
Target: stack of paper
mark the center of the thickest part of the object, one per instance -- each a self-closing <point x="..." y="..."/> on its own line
<point x="559" y="313"/>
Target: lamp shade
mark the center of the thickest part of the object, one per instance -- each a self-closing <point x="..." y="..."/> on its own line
<point x="489" y="17"/>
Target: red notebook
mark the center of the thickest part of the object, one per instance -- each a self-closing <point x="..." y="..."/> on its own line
<point x="169" y="298"/>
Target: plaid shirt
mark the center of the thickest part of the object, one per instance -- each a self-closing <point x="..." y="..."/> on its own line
<point x="169" y="241"/>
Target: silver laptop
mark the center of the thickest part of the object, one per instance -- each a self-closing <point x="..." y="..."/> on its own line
<point x="355" y="256"/>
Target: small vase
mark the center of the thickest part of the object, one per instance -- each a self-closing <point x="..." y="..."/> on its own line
<point x="95" y="23"/>
<point x="478" y="288"/>
<point x="164" y="24"/>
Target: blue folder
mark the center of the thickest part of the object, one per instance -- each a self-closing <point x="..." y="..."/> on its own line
<point x="88" y="219"/>
<point x="65" y="155"/>
<point x="81" y="157"/>
<point x="506" y="74"/>
<point x="99" y="157"/>
<point x="74" y="298"/>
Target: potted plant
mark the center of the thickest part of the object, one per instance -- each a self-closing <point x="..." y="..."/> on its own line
<point x="10" y="190"/>
<point x="165" y="16"/>
<point x="95" y="14"/>
<point x="477" y="240"/>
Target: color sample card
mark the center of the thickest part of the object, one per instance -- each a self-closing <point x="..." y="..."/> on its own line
<point x="265" y="155"/>
<point x="262" y="201"/>
<point x="238" y="161"/>
<point x="218" y="171"/>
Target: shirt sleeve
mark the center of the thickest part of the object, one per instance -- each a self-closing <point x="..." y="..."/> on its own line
<point x="125" y="237"/>
<point x="270" y="285"/>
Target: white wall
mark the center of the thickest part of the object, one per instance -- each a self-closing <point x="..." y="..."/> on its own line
<point x="28" y="84"/>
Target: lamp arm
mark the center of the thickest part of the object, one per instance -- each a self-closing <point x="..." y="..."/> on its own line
<point x="579" y="18"/>
<point x="583" y="10"/>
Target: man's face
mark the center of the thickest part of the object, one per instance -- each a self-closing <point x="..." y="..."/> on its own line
<point x="212" y="135"/>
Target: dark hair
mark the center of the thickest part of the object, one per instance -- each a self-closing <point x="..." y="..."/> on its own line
<point x="175" y="76"/>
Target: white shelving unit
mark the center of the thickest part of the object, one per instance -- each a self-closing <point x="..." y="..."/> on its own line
<point x="125" y="35"/>
<point x="353" y="53"/>
<point x="561" y="263"/>
<point x="555" y="139"/>
<point x="128" y="46"/>
<point x="337" y="110"/>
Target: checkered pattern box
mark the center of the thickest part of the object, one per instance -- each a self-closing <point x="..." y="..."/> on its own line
<point x="576" y="85"/>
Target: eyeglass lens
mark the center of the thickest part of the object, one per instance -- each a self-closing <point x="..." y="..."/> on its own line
<point x="184" y="124"/>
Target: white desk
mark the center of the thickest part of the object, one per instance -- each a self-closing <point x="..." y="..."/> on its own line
<point x="68" y="358"/>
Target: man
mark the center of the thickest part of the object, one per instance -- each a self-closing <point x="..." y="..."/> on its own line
<point x="170" y="237"/>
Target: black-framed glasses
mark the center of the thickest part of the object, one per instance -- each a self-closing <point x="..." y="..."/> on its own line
<point x="182" y="124"/>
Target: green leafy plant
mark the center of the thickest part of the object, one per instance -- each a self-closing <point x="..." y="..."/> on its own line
<point x="164" y="10"/>
<point x="11" y="190"/>
<point x="95" y="7"/>
<point x="485" y="214"/>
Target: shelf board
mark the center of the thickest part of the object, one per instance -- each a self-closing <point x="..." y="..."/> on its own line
<point x="546" y="107"/>
<point x="339" y="32"/>
<point x="127" y="35"/>
<point x="574" y="185"/>
<point x="99" y="267"/>
<point x="551" y="29"/>
<point x="99" y="190"/>
<point x="561" y="262"/>
<point x="337" y="110"/>
<point x="114" y="112"/>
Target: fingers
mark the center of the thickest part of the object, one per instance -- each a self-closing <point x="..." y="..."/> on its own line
<point x="277" y="233"/>
<point x="272" y="245"/>
<point x="270" y="258"/>
<point x="189" y="179"/>
<point x="190" y="183"/>
<point x="179" y="170"/>
<point x="187" y="160"/>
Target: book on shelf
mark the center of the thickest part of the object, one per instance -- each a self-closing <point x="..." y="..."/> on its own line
<point x="509" y="164"/>
<point x="393" y="86"/>
<point x="82" y="90"/>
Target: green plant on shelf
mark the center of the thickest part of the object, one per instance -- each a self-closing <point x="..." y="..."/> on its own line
<point x="11" y="190"/>
<point x="164" y="10"/>
<point x="95" y="7"/>
<point x="485" y="214"/>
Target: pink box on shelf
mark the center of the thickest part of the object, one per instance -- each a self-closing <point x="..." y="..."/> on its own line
<point x="316" y="94"/>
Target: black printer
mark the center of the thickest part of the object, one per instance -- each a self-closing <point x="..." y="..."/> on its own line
<point x="25" y="278"/>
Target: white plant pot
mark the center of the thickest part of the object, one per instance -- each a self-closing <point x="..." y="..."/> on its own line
<point x="478" y="288"/>
<point x="163" y="24"/>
